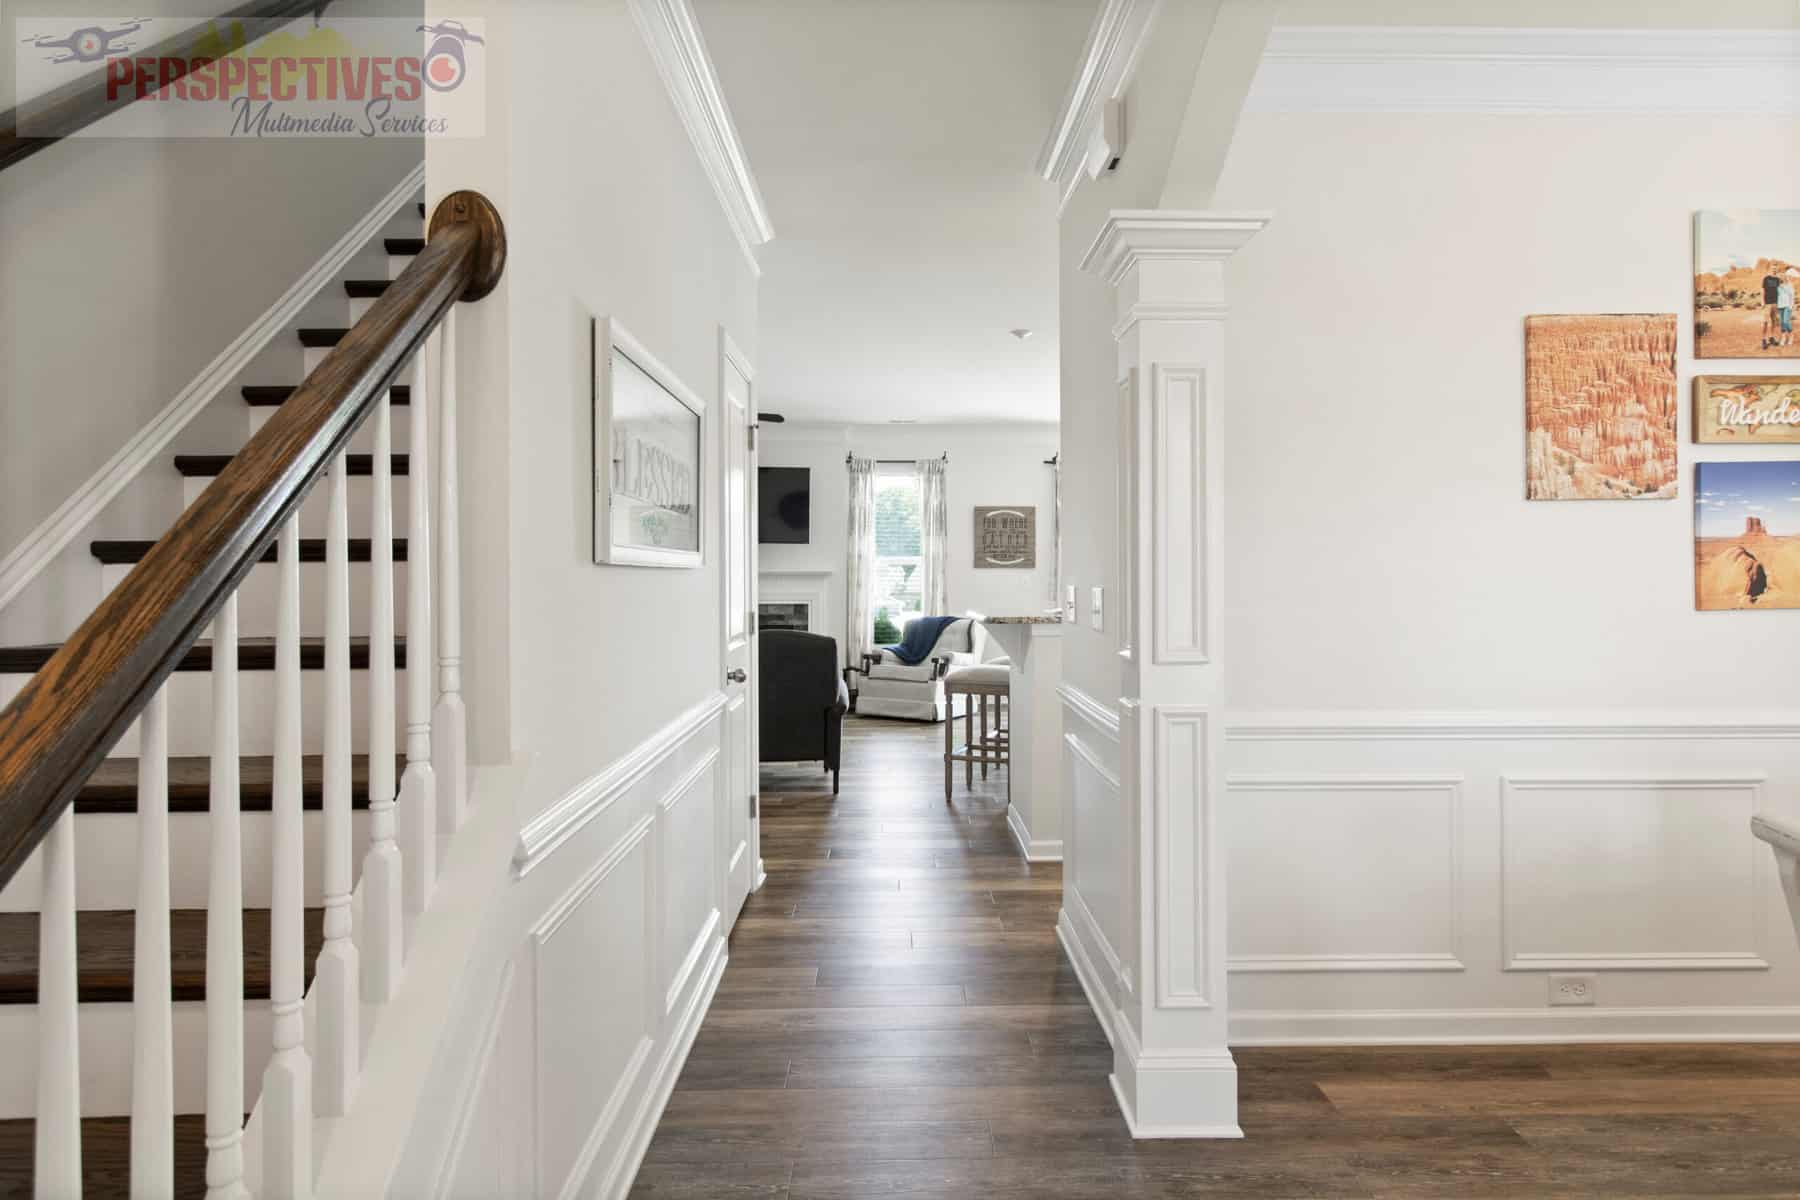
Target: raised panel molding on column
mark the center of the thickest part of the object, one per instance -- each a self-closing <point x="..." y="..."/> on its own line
<point x="1181" y="801"/>
<point x="1180" y="545"/>
<point x="1728" y="852"/>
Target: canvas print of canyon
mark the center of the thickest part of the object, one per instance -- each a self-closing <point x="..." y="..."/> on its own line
<point x="1746" y="272"/>
<point x="1600" y="407"/>
<point x="1746" y="535"/>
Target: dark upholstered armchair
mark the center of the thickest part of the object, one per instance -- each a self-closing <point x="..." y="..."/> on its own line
<point x="803" y="699"/>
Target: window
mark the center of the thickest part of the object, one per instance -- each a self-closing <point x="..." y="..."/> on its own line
<point x="898" y="588"/>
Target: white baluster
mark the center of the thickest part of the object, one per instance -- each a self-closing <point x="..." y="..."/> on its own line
<point x="418" y="784"/>
<point x="449" y="720"/>
<point x="225" y="930"/>
<point x="382" y="916"/>
<point x="152" y="1066"/>
<point x="58" y="1046"/>
<point x="287" y="1080"/>
<point x="340" y="994"/>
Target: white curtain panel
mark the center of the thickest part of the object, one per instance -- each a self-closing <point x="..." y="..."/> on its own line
<point x="934" y="535"/>
<point x="859" y="570"/>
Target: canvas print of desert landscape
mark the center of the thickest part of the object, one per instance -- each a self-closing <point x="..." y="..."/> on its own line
<point x="1746" y="535"/>
<point x="1743" y="261"/>
<point x="1600" y="407"/>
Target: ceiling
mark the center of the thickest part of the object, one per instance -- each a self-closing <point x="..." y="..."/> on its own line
<point x="894" y="145"/>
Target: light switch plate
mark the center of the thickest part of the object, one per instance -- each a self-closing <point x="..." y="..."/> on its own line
<point x="1069" y="614"/>
<point x="1096" y="604"/>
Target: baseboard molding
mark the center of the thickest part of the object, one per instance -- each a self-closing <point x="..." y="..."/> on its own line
<point x="40" y="548"/>
<point x="589" y="798"/>
<point x="1501" y="1026"/>
<point x="623" y="1172"/>
<point x="1044" y="850"/>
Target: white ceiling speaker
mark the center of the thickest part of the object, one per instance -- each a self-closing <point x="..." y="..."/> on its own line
<point x="1106" y="144"/>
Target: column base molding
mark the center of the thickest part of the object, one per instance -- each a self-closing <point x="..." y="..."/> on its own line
<point x="1185" y="1094"/>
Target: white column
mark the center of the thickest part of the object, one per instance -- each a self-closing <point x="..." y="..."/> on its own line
<point x="449" y="720"/>
<point x="337" y="1051"/>
<point x="1172" y="1070"/>
<point x="152" y="1051"/>
<point x="225" y="929"/>
<point x="382" y="919"/>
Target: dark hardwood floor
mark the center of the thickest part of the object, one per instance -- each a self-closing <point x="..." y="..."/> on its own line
<point x="897" y="1020"/>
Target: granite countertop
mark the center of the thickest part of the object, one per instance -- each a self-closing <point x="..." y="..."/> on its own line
<point x="1041" y="619"/>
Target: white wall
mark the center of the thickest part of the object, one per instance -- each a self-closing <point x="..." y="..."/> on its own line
<point x="989" y="465"/>
<point x="1472" y="740"/>
<point x="598" y="961"/>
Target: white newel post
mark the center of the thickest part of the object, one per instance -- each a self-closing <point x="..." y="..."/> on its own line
<point x="1173" y="1072"/>
<point x="449" y="720"/>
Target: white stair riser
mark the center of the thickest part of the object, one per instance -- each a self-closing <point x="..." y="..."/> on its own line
<point x="106" y="862"/>
<point x="257" y="598"/>
<point x="313" y="509"/>
<point x="397" y="263"/>
<point x="190" y="712"/>
<point x="361" y="442"/>
<point x="107" y="1053"/>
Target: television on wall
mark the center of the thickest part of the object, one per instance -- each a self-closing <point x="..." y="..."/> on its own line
<point x="784" y="505"/>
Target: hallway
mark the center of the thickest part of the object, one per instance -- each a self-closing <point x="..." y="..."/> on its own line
<point x="898" y="1020"/>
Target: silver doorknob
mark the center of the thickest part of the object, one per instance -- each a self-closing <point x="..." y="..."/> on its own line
<point x="736" y="675"/>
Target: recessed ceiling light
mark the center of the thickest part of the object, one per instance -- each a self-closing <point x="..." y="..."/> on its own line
<point x="1022" y="334"/>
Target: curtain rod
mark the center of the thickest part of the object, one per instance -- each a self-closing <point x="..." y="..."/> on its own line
<point x="894" y="462"/>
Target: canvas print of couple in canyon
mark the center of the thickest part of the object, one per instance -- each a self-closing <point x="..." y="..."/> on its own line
<point x="1746" y="274"/>
<point x="1746" y="535"/>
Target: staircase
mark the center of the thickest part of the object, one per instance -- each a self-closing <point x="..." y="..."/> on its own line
<point x="206" y="923"/>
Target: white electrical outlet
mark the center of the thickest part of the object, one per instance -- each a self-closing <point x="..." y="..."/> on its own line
<point x="1069" y="595"/>
<point x="1571" y="989"/>
<point x="1096" y="601"/>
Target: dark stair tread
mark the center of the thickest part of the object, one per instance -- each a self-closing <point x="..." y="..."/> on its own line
<point x="312" y="550"/>
<point x="365" y="289"/>
<point x="402" y="246"/>
<point x="254" y="654"/>
<point x="206" y="466"/>
<point x="105" y="1157"/>
<point x="263" y="395"/>
<point x="103" y="954"/>
<point x="421" y="208"/>
<point x="112" y="788"/>
<point x="318" y="339"/>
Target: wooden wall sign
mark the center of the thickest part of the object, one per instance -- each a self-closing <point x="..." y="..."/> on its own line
<point x="1006" y="537"/>
<point x="1747" y="409"/>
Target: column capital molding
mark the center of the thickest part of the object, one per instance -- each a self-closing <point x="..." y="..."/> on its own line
<point x="1131" y="236"/>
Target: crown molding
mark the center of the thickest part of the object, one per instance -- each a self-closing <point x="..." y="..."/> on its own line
<point x="675" y="41"/>
<point x="1114" y="42"/>
<point x="1308" y="69"/>
<point x="1131" y="236"/>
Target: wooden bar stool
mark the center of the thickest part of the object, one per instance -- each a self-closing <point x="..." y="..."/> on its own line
<point x="986" y="688"/>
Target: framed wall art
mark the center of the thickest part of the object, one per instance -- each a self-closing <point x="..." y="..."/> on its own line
<point x="1746" y="535"/>
<point x="1600" y="407"/>
<point x="1746" y="271"/>
<point x="649" y="456"/>
<point x="1006" y="537"/>
<point x="1746" y="410"/>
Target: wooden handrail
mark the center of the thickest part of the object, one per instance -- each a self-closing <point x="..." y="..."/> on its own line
<point x="59" y="728"/>
<point x="79" y="103"/>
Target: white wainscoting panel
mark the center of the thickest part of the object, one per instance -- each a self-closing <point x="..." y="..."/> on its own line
<point x="1182" y="795"/>
<point x="1645" y="872"/>
<point x="1293" y="839"/>
<point x="1417" y="877"/>
<point x="1178" y="504"/>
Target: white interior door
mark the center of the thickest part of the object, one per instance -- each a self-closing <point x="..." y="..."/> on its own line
<point x="743" y="869"/>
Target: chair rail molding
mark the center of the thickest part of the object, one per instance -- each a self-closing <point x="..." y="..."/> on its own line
<point x="591" y="797"/>
<point x="40" y="548"/>
<point x="1380" y="726"/>
<point x="1114" y="42"/>
<point x="673" y="35"/>
<point x="1096" y="714"/>
<point x="1523" y="72"/>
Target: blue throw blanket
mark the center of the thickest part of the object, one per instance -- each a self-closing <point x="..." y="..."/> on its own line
<point x="922" y="633"/>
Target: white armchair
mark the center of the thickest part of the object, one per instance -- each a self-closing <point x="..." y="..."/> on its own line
<point x="891" y="688"/>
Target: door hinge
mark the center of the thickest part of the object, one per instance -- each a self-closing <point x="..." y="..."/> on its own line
<point x="753" y="806"/>
<point x="752" y="430"/>
<point x="750" y="615"/>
